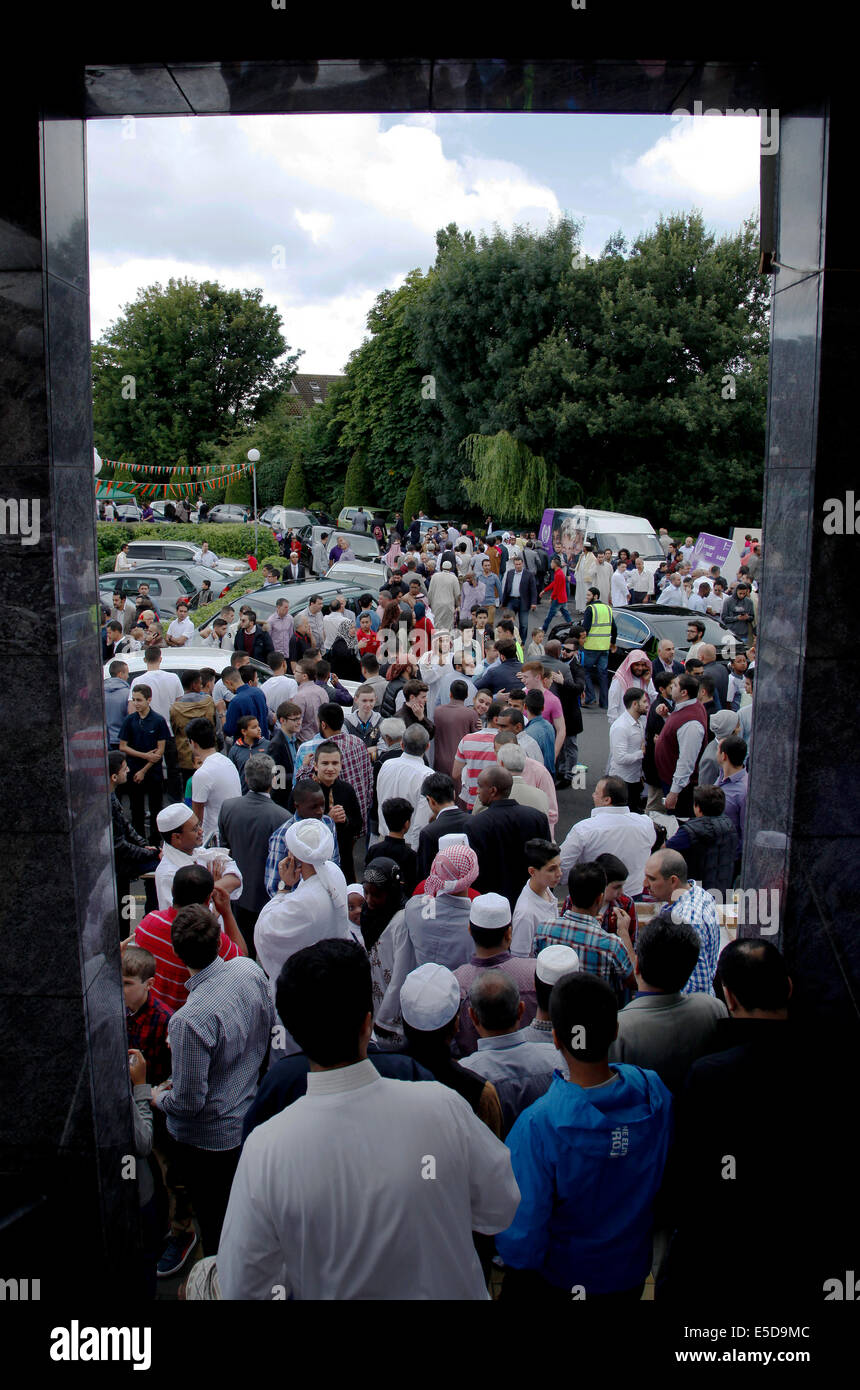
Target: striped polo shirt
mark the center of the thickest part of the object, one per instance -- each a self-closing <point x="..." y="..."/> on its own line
<point x="477" y="752"/>
<point x="171" y="976"/>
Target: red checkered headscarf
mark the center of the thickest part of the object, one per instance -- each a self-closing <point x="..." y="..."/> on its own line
<point x="452" y="871"/>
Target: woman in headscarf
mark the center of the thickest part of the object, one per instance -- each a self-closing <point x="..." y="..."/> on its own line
<point x="344" y="655"/>
<point x="435" y="924"/>
<point x="302" y="639"/>
<point x="384" y="901"/>
<point x="635" y="669"/>
<point x="422" y="628"/>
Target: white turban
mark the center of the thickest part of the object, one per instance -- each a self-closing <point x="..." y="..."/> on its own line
<point x="311" y="842"/>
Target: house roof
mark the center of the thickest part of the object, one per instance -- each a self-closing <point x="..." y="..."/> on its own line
<point x="312" y="388"/>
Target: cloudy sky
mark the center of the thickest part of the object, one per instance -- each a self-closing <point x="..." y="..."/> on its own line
<point x="322" y="212"/>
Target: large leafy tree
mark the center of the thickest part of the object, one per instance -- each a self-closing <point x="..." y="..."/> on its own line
<point x="183" y="368"/>
<point x="639" y="374"/>
<point x="388" y="409"/>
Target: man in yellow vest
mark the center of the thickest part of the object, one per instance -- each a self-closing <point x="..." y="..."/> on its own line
<point x="601" y="632"/>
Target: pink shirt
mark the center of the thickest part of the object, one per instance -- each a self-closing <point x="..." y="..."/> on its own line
<point x="534" y="774"/>
<point x="551" y="706"/>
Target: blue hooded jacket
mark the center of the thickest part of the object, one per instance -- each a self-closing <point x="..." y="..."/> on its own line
<point x="589" y="1164"/>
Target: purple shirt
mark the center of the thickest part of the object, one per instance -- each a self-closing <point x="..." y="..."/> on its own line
<point x="735" y="791"/>
<point x="280" y="631"/>
<point x="521" y="971"/>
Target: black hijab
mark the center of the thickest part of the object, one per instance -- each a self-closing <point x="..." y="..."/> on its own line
<point x="383" y="873"/>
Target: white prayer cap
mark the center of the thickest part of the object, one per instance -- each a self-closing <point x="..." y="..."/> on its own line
<point x="429" y="997"/>
<point x="310" y="841"/>
<point x="355" y="888"/>
<point x="173" y="816"/>
<point x="490" y="910"/>
<point x="446" y="565"/>
<point x="448" y="841"/>
<point x="555" y="961"/>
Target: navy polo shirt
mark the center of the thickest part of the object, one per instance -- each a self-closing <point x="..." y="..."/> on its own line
<point x="144" y="734"/>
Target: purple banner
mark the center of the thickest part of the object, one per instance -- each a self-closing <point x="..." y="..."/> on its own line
<point x="545" y="532"/>
<point x="710" y="550"/>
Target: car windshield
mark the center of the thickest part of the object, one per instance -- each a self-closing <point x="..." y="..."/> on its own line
<point x="644" y="541"/>
<point x="674" y="626"/>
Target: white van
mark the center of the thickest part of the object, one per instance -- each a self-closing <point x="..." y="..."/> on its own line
<point x="563" y="531"/>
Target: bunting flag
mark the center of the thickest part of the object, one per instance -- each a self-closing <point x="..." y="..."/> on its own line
<point x="186" y="481"/>
<point x="203" y="470"/>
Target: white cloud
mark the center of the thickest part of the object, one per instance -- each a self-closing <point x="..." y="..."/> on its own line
<point x="401" y="172"/>
<point x="711" y="159"/>
<point x="316" y="224"/>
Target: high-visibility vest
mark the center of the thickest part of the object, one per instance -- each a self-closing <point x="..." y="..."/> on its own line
<point x="600" y="633"/>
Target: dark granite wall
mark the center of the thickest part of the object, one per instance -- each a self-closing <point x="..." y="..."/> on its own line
<point x="803" y="833"/>
<point x="65" y="1119"/>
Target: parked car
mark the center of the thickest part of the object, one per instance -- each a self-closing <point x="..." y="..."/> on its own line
<point x="286" y="518"/>
<point x="372" y="576"/>
<point x="192" y="658"/>
<point x="263" y="601"/>
<point x="165" y="586"/>
<point x="125" y="511"/>
<point x="346" y="514"/>
<point x="220" y="583"/>
<point x="642" y="626"/>
<point x="363" y="547"/>
<point x="180" y="552"/>
<point x="230" y="512"/>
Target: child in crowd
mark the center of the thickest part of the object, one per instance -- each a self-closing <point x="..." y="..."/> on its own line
<point x="146" y="1017"/>
<point x="397" y="814"/>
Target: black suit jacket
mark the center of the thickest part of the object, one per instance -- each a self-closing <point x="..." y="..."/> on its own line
<point x="678" y="667"/>
<point x="455" y="822"/>
<point x="528" y="588"/>
<point x="288" y="578"/>
<point x="279" y="750"/>
<point x="498" y="836"/>
<point x="245" y="823"/>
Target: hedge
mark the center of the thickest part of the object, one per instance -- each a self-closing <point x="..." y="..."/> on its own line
<point x="248" y="582"/>
<point x="235" y="542"/>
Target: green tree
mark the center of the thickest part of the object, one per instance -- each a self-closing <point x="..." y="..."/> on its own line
<point x="241" y="491"/>
<point x="508" y="480"/>
<point x="184" y="367"/>
<point x="388" y="411"/>
<point x="415" y="500"/>
<point x="295" y="488"/>
<point x="355" y="486"/>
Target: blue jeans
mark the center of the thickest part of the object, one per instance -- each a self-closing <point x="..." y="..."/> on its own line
<point x="556" y="607"/>
<point x="599" y="661"/>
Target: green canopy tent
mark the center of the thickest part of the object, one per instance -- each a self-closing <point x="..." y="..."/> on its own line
<point x="112" y="491"/>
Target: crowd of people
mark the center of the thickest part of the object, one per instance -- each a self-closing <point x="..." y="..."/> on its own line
<point x="351" y="891"/>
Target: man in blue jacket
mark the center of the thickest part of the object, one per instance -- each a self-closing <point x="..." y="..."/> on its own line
<point x="588" y="1157"/>
<point x="249" y="699"/>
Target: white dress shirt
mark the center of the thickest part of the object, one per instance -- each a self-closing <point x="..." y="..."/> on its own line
<point x="673" y="595"/>
<point x="366" y="1188"/>
<point x="531" y="910"/>
<point x="123" y="562"/>
<point x="184" y="628"/>
<point x="277" y="689"/>
<point x="404" y="776"/>
<point x="165" y="686"/>
<point x="611" y="830"/>
<point x="697" y="603"/>
<point x="208" y="560"/>
<point x="332" y="624"/>
<point x="625" y="748"/>
<point x="619" y="591"/>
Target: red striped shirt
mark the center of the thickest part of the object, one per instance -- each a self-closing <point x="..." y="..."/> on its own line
<point x="476" y="751"/>
<point x="153" y="935"/>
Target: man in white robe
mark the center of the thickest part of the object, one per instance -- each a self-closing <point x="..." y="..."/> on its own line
<point x="586" y="568"/>
<point x="366" y="1187"/>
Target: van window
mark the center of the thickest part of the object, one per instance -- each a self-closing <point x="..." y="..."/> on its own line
<point x="644" y="541"/>
<point x="144" y="551"/>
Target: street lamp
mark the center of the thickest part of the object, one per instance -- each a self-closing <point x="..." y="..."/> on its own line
<point x="254" y="459"/>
